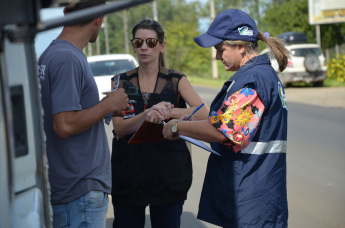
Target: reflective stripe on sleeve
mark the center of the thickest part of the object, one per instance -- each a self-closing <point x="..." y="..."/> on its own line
<point x="265" y="147"/>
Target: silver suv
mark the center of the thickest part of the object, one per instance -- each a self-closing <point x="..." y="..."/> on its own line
<point x="307" y="64"/>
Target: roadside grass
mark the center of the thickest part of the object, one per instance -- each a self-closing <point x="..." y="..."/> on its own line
<point x="206" y="81"/>
<point x="329" y="82"/>
<point x="209" y="81"/>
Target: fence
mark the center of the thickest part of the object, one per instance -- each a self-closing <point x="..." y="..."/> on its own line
<point x="335" y="51"/>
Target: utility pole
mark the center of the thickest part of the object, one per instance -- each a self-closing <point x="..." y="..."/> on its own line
<point x="318" y="35"/>
<point x="106" y="35"/>
<point x="98" y="49"/>
<point x="125" y="31"/>
<point x="155" y="11"/>
<point x="89" y="49"/>
<point x="213" y="50"/>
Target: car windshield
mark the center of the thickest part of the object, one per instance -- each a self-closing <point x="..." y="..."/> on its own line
<point x="302" y="52"/>
<point x="111" y="67"/>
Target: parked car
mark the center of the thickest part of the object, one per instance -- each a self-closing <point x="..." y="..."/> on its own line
<point x="104" y="67"/>
<point x="307" y="62"/>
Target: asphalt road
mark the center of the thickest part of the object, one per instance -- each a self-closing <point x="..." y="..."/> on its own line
<point x="316" y="169"/>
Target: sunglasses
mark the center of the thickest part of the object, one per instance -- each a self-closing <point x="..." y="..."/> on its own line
<point x="151" y="42"/>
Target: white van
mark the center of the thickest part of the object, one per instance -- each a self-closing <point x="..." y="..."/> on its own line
<point x="24" y="184"/>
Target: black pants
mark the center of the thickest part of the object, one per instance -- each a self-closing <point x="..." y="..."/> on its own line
<point x="162" y="216"/>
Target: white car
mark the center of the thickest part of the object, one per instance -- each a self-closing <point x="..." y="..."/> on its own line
<point x="104" y="67"/>
<point x="307" y="64"/>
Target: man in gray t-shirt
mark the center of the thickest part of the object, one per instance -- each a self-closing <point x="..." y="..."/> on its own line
<point x="77" y="147"/>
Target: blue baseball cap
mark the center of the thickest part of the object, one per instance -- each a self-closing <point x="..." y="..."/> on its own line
<point x="231" y="24"/>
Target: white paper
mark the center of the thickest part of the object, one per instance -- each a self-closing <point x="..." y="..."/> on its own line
<point x="199" y="144"/>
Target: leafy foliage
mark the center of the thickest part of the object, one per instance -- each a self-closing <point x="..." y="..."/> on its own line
<point x="336" y="68"/>
<point x="183" y="53"/>
<point x="180" y="22"/>
<point x="180" y="19"/>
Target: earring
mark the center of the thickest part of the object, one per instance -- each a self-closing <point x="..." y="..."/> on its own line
<point x="241" y="52"/>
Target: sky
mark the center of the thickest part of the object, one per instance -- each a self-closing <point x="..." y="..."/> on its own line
<point x="43" y="39"/>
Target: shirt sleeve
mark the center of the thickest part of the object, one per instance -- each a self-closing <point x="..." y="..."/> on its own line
<point x="66" y="87"/>
<point x="239" y="117"/>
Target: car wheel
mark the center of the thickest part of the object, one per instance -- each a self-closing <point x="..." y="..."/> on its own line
<point x="311" y="63"/>
<point x="318" y="84"/>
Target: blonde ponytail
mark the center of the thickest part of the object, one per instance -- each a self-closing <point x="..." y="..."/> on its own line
<point x="276" y="46"/>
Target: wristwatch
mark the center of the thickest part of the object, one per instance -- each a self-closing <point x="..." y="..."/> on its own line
<point x="174" y="127"/>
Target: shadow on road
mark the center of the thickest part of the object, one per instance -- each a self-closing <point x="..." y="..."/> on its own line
<point x="188" y="220"/>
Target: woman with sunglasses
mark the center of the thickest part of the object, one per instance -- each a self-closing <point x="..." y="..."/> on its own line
<point x="157" y="174"/>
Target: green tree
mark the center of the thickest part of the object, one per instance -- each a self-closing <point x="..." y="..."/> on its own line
<point x="182" y="52"/>
<point x="255" y="8"/>
<point x="180" y="20"/>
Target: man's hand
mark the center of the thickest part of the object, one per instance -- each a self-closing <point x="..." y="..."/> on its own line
<point x="118" y="101"/>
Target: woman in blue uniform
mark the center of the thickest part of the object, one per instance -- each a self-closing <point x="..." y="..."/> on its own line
<point x="247" y="125"/>
<point x="157" y="174"/>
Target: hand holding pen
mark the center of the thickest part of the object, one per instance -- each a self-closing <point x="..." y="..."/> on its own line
<point x="195" y="110"/>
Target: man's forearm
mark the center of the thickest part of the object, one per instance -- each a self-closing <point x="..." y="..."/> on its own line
<point x="74" y="122"/>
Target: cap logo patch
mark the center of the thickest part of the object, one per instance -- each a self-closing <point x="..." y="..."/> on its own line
<point x="245" y="31"/>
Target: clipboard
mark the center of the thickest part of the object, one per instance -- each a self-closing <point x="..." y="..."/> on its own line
<point x="153" y="132"/>
<point x="199" y="144"/>
<point x="147" y="132"/>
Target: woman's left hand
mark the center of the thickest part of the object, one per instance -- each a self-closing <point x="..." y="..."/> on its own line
<point x="164" y="109"/>
<point x="154" y="116"/>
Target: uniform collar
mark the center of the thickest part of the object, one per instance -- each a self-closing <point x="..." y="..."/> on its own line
<point x="257" y="60"/>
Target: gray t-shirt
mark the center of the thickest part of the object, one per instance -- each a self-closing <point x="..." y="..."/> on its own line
<point x="79" y="163"/>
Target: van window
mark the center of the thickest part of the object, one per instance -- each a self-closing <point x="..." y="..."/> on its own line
<point x="111" y="67"/>
<point x="302" y="52"/>
<point x="19" y="122"/>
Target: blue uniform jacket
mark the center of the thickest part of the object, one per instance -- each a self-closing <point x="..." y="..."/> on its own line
<point x="248" y="188"/>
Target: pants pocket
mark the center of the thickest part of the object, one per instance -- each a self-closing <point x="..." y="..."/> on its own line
<point x="61" y="216"/>
<point x="95" y="199"/>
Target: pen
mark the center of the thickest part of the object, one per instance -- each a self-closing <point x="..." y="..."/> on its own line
<point x="195" y="110"/>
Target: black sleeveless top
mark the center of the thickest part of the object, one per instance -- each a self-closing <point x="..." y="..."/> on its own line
<point x="150" y="173"/>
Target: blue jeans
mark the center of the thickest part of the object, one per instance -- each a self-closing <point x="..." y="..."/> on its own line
<point x="166" y="215"/>
<point x="89" y="211"/>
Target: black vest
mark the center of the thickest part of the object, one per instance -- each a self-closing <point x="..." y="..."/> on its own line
<point x="153" y="173"/>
